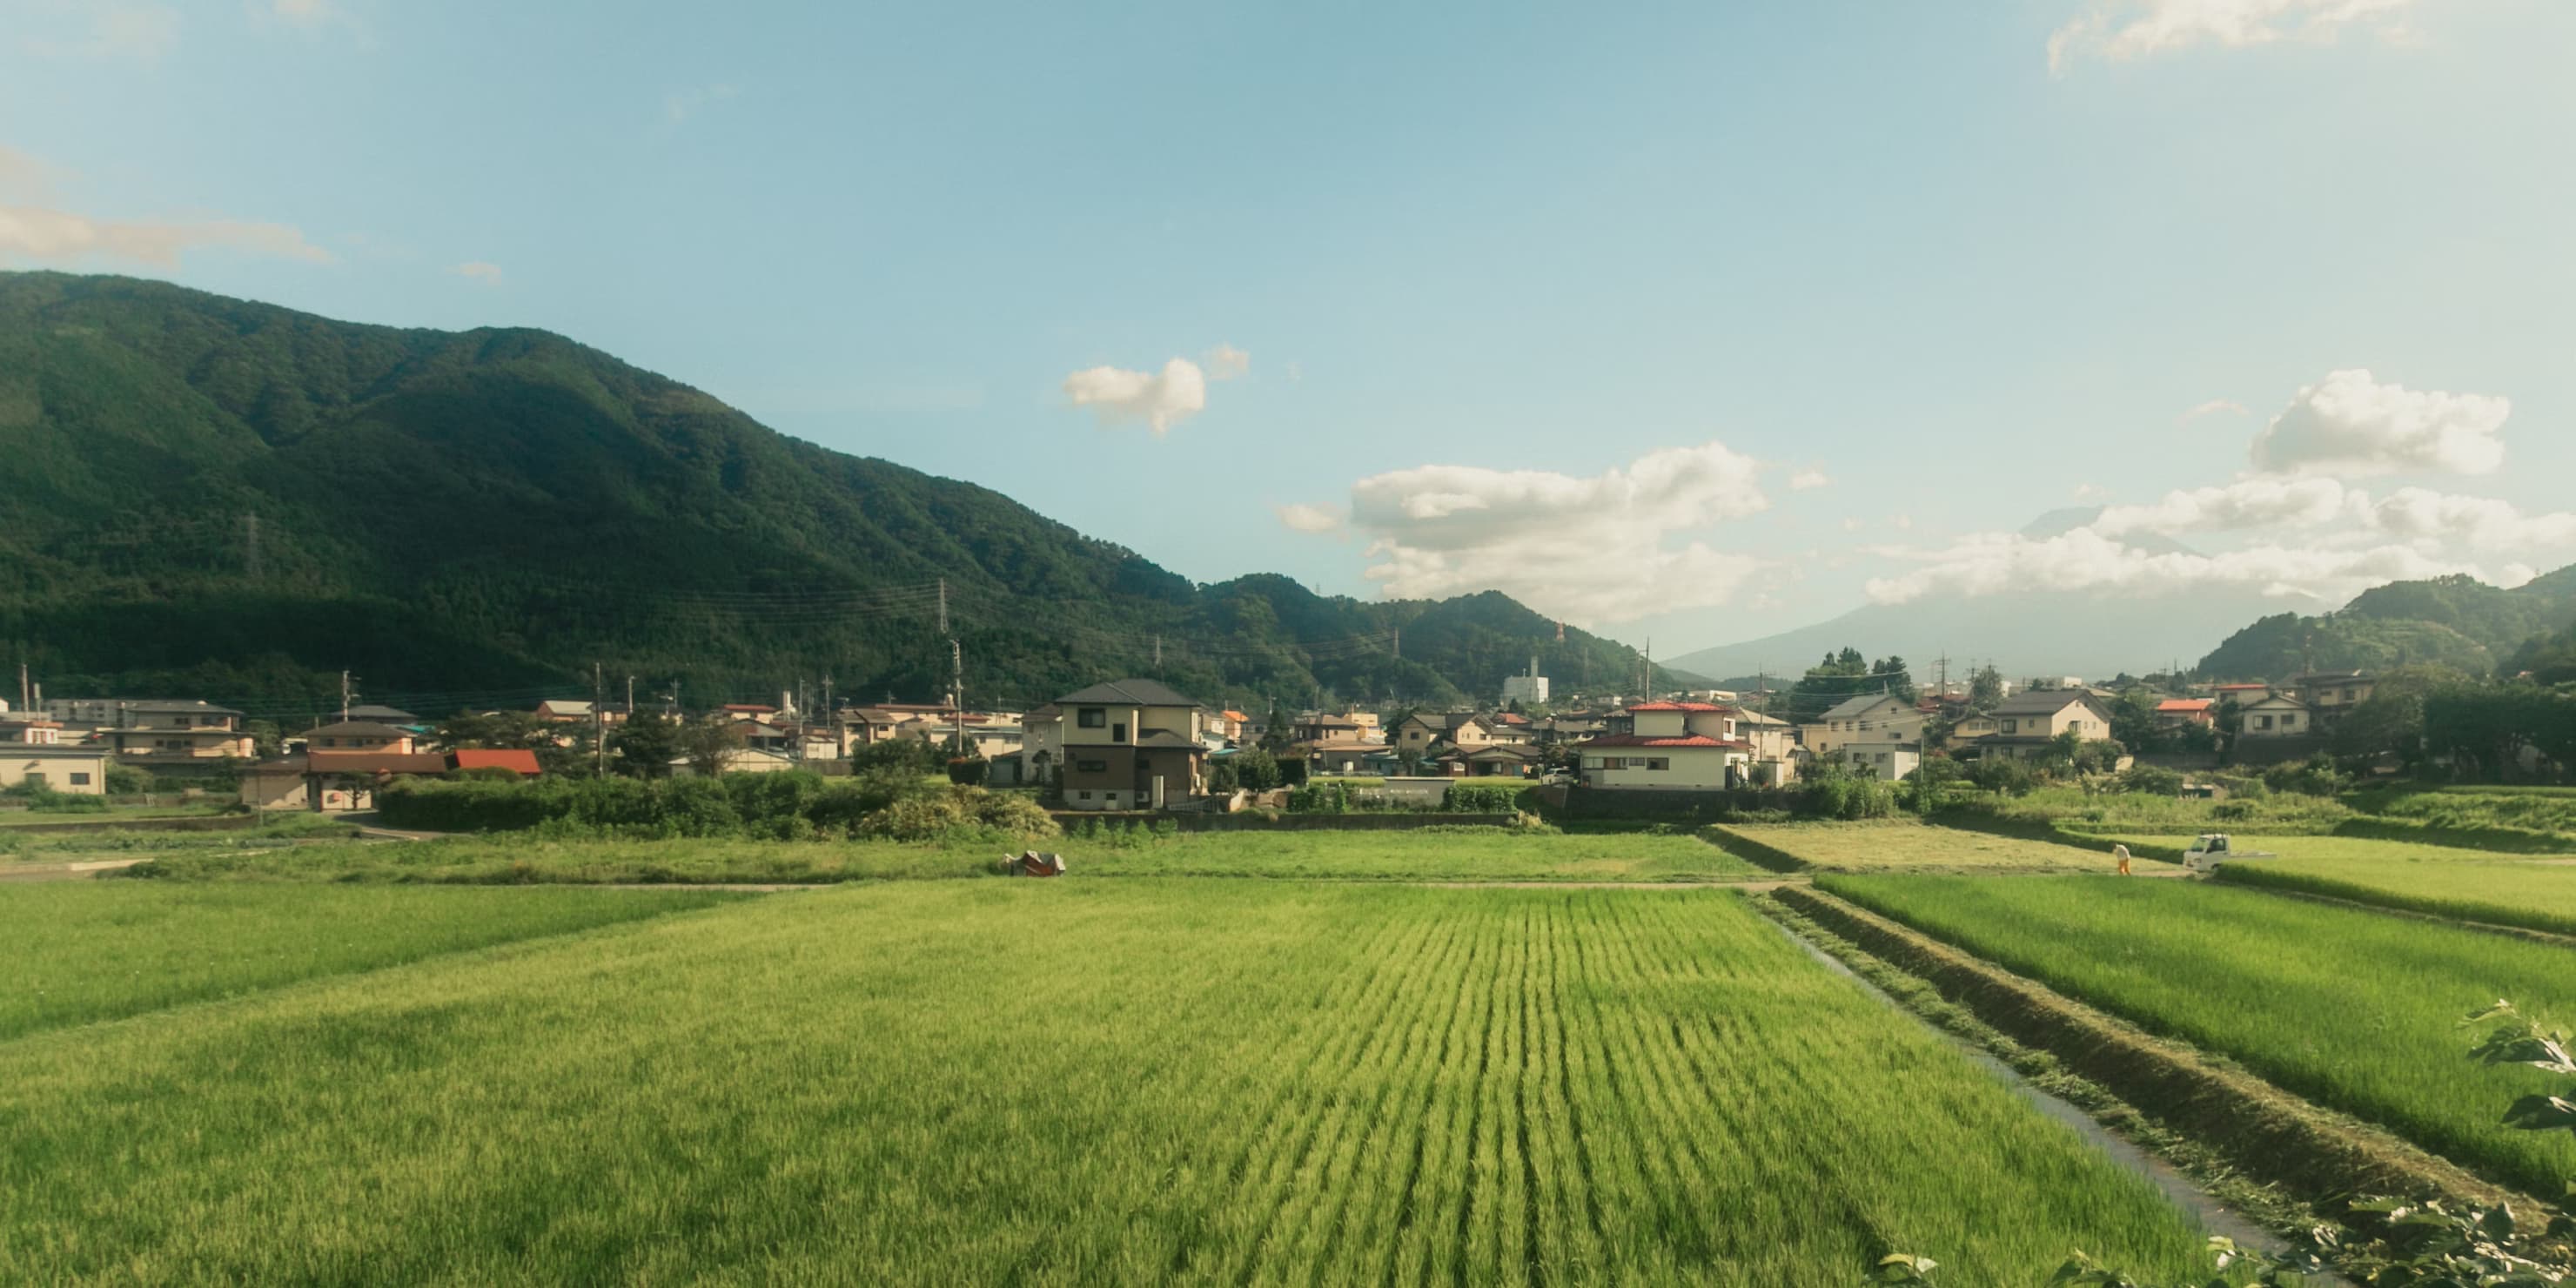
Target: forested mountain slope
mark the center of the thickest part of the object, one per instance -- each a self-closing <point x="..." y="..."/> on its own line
<point x="206" y="496"/>
<point x="2453" y="621"/>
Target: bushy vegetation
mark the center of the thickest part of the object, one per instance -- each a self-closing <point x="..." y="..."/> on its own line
<point x="793" y="805"/>
<point x="2535" y="809"/>
<point x="2300" y="993"/>
<point x="1904" y="844"/>
<point x="1219" y="1082"/>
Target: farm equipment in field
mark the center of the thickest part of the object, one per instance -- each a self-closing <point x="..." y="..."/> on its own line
<point x="2214" y="848"/>
<point x="1030" y="863"/>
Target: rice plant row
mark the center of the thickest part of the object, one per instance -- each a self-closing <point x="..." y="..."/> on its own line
<point x="1122" y="1081"/>
<point x="2533" y="895"/>
<point x="2351" y="1008"/>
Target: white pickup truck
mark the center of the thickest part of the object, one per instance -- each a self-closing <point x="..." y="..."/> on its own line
<point x="2214" y="848"/>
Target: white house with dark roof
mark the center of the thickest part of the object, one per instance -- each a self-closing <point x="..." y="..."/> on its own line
<point x="1669" y="745"/>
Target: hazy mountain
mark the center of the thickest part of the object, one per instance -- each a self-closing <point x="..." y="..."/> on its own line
<point x="228" y="499"/>
<point x="2023" y="633"/>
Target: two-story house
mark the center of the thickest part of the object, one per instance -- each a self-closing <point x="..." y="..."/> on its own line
<point x="2276" y="715"/>
<point x="1132" y="744"/>
<point x="2329" y="694"/>
<point x="1671" y="745"/>
<point x="32" y="752"/>
<point x="2028" y="722"/>
<point x="1866" y="725"/>
<point x="172" y="737"/>
<point x="1425" y="732"/>
<point x="360" y="735"/>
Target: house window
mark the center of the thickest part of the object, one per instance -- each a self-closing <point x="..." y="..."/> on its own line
<point x="1118" y="733"/>
<point x="2262" y="722"/>
<point x="1658" y="762"/>
<point x="1082" y="796"/>
<point x="79" y="779"/>
<point x="2012" y="726"/>
<point x="1091" y="766"/>
<point x="1091" y="717"/>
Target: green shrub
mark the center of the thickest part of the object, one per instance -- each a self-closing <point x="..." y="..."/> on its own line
<point x="2151" y="780"/>
<point x="1487" y="797"/>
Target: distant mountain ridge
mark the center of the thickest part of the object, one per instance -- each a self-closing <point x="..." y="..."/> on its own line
<point x="2022" y="633"/>
<point x="219" y="498"/>
<point x="2455" y="621"/>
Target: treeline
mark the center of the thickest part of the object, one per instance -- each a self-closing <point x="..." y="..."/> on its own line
<point x="792" y="805"/>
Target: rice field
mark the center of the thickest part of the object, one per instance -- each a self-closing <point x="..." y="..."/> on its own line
<point x="2350" y="1008"/>
<point x="1451" y="854"/>
<point x="75" y="952"/>
<point x="2532" y="895"/>
<point x="1901" y="845"/>
<point x="2330" y="849"/>
<point x="1117" y="1081"/>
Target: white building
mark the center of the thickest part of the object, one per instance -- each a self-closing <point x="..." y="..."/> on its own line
<point x="1526" y="689"/>
<point x="1670" y="745"/>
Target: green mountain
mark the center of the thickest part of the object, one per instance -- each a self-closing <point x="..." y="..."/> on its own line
<point x="213" y="497"/>
<point x="2454" y="621"/>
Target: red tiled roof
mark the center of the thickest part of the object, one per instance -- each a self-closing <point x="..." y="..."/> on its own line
<point x="2183" y="704"/>
<point x="1235" y="716"/>
<point x="1641" y="740"/>
<point x="518" y="760"/>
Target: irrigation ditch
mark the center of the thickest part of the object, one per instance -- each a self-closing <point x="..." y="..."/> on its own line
<point x="2245" y="1126"/>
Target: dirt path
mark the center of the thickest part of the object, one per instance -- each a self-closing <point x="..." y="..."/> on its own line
<point x="63" y="871"/>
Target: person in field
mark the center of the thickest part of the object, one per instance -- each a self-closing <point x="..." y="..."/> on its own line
<point x="2121" y="853"/>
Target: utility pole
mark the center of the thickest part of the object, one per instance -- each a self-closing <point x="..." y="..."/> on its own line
<point x="344" y="697"/>
<point x="630" y="697"/>
<point x="25" y="703"/>
<point x="1399" y="643"/>
<point x="943" y="606"/>
<point x="1158" y="657"/>
<point x="598" y="723"/>
<point x="957" y="694"/>
<point x="250" y="544"/>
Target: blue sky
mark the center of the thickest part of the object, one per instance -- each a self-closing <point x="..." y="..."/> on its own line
<point x="1697" y="322"/>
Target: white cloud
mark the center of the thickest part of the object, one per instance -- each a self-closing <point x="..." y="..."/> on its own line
<point x="1808" y="480"/>
<point x="2121" y="30"/>
<point x="1225" y="362"/>
<point x="480" y="270"/>
<point x="2086" y="560"/>
<point x="2350" y="424"/>
<point x="1608" y="548"/>
<point x="2214" y="407"/>
<point x="23" y="177"/>
<point x="61" y="237"/>
<point x="2475" y="522"/>
<point x="2250" y="503"/>
<point x="1310" y="518"/>
<point x="680" y="106"/>
<point x="1161" y="400"/>
<point x="2091" y="492"/>
<point x="100" y="32"/>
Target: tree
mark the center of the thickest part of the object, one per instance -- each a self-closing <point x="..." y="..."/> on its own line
<point x="647" y="744"/>
<point x="266" y="742"/>
<point x="1985" y="688"/>
<point x="710" y="746"/>
<point x="1899" y="681"/>
<point x="2133" y="719"/>
<point x="1257" y="771"/>
<point x="2392" y="717"/>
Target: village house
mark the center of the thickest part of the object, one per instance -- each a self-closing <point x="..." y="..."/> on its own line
<point x="380" y="714"/>
<point x="567" y="711"/>
<point x="1233" y="726"/>
<point x="1343" y="756"/>
<point x="1864" y="726"/>
<point x="1325" y="726"/>
<point x="2174" y="714"/>
<point x="32" y="754"/>
<point x="360" y="735"/>
<point x="1669" y="745"/>
<point x="1131" y="744"/>
<point x="1973" y="725"/>
<point x="2029" y="722"/>
<point x="1492" y="760"/>
<point x="1423" y="732"/>
<point x="161" y="735"/>
<point x="2276" y="715"/>
<point x="2328" y="694"/>
<point x="2241" y="694"/>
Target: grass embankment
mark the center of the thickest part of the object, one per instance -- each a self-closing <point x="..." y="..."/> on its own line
<point x="110" y="815"/>
<point x="2534" y="896"/>
<point x="2354" y="1010"/>
<point x="1133" y="1081"/>
<point x="2072" y="809"/>
<point x="74" y="952"/>
<point x="1467" y="854"/>
<point x="1907" y="845"/>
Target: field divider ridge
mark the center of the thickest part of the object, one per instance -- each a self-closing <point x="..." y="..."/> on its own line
<point x="2271" y="887"/>
<point x="2264" y="1130"/>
